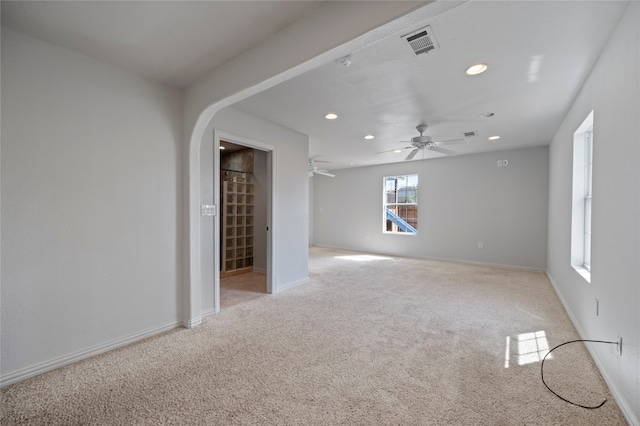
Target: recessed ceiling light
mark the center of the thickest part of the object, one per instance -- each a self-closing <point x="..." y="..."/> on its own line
<point x="222" y="147"/>
<point x="331" y="116"/>
<point x="476" y="69"/>
<point x="398" y="151"/>
<point x="494" y="138"/>
<point x="369" y="137"/>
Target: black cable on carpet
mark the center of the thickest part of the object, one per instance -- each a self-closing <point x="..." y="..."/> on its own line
<point x="564" y="399"/>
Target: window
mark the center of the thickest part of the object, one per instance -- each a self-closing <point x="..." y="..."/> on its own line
<point x="588" y="139"/>
<point x="582" y="198"/>
<point x="400" y="204"/>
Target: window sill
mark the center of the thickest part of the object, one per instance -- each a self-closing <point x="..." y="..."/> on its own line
<point x="584" y="273"/>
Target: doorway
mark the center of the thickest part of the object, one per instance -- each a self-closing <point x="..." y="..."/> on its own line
<point x="243" y="240"/>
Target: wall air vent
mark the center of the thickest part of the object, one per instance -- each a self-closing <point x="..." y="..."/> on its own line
<point x="470" y="134"/>
<point x="422" y="40"/>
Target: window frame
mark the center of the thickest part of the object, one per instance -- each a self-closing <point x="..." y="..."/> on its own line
<point x="385" y="202"/>
<point x="588" y="197"/>
<point x="582" y="198"/>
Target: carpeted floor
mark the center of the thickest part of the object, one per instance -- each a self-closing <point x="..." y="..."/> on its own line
<point x="368" y="341"/>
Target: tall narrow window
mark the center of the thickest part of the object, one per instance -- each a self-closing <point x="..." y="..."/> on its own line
<point x="588" y="139"/>
<point x="400" y="204"/>
<point x="582" y="198"/>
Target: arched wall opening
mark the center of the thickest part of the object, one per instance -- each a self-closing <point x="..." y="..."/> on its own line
<point x="248" y="75"/>
<point x="289" y="218"/>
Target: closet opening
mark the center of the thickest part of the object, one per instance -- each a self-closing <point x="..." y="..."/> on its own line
<point x="244" y="213"/>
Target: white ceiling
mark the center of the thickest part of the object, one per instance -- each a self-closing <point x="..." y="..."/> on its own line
<point x="538" y="53"/>
<point x="173" y="42"/>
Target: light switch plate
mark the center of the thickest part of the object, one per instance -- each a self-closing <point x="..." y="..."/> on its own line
<point x="208" y="210"/>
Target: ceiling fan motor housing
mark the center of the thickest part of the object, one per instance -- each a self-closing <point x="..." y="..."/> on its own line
<point x="421" y="141"/>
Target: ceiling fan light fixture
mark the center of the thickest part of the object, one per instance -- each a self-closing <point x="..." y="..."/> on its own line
<point x="476" y="69"/>
<point x="331" y="116"/>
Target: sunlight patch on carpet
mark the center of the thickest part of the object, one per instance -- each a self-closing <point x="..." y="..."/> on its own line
<point x="530" y="348"/>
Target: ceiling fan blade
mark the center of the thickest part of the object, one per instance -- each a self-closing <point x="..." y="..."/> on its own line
<point x="442" y="150"/>
<point x="324" y="173"/>
<point x="452" y="141"/>
<point x="395" y="149"/>
<point x="412" y="154"/>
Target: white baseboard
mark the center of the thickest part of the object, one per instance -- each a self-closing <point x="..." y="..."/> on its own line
<point x="192" y="322"/>
<point x="624" y="405"/>
<point x="207" y="312"/>
<point x="286" y="286"/>
<point x="43" y="367"/>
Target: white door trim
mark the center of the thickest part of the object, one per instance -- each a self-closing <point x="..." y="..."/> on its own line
<point x="271" y="208"/>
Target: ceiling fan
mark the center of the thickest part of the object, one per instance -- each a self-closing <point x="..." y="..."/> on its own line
<point x="313" y="169"/>
<point x="419" y="143"/>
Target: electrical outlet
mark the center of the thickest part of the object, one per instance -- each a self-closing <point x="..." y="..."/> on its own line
<point x="499" y="163"/>
<point x="619" y="345"/>
<point x="480" y="245"/>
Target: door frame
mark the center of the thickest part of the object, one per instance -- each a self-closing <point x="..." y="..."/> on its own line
<point x="271" y="211"/>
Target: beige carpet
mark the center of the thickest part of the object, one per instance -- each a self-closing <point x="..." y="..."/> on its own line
<point x="367" y="342"/>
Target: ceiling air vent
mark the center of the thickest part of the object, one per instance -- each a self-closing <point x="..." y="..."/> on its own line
<point x="422" y="40"/>
<point x="470" y="134"/>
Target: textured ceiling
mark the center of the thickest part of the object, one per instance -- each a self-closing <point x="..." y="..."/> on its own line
<point x="538" y="53"/>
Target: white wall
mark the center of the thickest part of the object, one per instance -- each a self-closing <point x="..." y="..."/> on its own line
<point x="290" y="223"/>
<point x="613" y="93"/>
<point x="463" y="200"/>
<point x="90" y="202"/>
